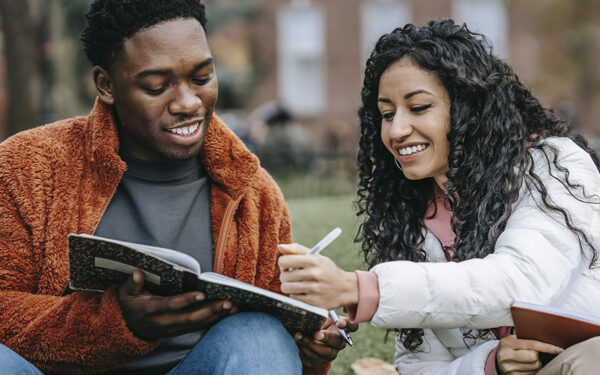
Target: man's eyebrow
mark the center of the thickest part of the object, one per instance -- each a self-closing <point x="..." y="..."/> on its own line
<point x="416" y="92"/>
<point x="165" y="72"/>
<point x="203" y="64"/>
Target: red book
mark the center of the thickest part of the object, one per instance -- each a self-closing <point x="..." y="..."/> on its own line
<point x="552" y="325"/>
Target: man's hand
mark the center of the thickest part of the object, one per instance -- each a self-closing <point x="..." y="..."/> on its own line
<point x="154" y="317"/>
<point x="324" y="346"/>
<point x="517" y="356"/>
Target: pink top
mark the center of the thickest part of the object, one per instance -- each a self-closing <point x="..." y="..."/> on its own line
<point x="368" y="287"/>
<point x="441" y="224"/>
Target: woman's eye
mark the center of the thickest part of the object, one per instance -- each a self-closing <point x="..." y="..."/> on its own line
<point x="388" y="115"/>
<point x="420" y="108"/>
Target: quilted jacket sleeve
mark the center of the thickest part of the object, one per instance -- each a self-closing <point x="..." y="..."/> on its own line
<point x="536" y="258"/>
<point x="434" y="358"/>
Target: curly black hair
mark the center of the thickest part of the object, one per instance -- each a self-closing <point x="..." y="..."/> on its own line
<point x="111" y="22"/>
<point x="494" y="120"/>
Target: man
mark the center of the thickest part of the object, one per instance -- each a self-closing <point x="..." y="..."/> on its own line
<point x="150" y="164"/>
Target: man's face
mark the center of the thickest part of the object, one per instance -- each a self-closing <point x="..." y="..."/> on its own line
<point x="164" y="91"/>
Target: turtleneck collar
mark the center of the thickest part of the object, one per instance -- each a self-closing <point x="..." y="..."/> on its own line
<point x="177" y="171"/>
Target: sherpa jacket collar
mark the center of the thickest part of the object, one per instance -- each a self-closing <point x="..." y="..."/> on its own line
<point x="226" y="159"/>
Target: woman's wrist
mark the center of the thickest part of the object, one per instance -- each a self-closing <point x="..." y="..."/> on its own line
<point x="350" y="292"/>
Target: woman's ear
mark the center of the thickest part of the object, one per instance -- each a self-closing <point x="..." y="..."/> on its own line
<point x="104" y="85"/>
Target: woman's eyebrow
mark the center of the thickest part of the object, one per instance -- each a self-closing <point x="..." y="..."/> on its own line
<point x="419" y="91"/>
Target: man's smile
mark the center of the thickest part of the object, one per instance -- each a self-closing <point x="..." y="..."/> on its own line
<point x="186" y="129"/>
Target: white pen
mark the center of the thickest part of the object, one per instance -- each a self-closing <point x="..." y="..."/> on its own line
<point x="345" y="335"/>
<point x="326" y="241"/>
<point x="317" y="249"/>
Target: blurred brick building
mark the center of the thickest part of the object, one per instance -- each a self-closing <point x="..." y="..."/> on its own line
<point x="309" y="55"/>
<point x="312" y="53"/>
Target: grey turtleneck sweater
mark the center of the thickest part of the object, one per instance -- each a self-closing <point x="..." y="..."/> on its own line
<point x="167" y="205"/>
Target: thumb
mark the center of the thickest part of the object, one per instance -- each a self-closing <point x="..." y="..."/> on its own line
<point x="134" y="284"/>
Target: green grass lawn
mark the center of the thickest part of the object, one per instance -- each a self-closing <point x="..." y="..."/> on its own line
<point x="313" y="218"/>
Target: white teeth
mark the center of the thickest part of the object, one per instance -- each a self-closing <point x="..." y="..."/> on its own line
<point x="185" y="131"/>
<point x="412" y="149"/>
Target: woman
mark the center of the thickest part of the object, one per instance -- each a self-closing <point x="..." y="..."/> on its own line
<point x="475" y="196"/>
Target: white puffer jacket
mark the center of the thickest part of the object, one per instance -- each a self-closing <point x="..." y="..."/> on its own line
<point x="537" y="259"/>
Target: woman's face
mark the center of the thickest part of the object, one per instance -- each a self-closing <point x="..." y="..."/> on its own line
<point x="415" y="111"/>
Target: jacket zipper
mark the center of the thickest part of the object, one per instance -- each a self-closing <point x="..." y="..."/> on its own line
<point x="112" y="195"/>
<point x="67" y="289"/>
<point x="224" y="233"/>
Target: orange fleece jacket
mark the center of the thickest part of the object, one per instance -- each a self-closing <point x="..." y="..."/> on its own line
<point x="58" y="179"/>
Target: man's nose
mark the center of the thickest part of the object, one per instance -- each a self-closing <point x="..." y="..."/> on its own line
<point x="186" y="101"/>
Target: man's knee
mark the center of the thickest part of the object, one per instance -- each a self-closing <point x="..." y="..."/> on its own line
<point x="253" y="319"/>
<point x="249" y="343"/>
<point x="13" y="363"/>
<point x="253" y="328"/>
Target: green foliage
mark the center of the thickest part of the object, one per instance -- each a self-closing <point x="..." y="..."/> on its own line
<point x="312" y="218"/>
<point x="562" y="39"/>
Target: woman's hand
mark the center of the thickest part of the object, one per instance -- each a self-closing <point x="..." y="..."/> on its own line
<point x="517" y="356"/>
<point x="315" y="279"/>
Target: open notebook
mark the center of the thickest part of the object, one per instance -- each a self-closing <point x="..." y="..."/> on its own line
<point x="96" y="263"/>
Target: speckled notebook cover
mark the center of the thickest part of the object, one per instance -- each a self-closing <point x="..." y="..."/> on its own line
<point x="96" y="263"/>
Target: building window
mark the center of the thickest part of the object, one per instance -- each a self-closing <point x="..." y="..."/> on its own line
<point x="487" y="17"/>
<point x="301" y="47"/>
<point x="378" y="18"/>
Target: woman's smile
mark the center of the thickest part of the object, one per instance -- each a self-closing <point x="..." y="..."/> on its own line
<point x="415" y="112"/>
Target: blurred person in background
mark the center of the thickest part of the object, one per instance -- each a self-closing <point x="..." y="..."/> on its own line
<point x="150" y="164"/>
<point x="475" y="196"/>
<point x="285" y="147"/>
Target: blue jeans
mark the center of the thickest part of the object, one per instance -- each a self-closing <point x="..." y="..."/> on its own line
<point x="243" y="343"/>
<point x="14" y="364"/>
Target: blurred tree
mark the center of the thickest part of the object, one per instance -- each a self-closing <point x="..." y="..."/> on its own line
<point x="229" y="31"/>
<point x="48" y="75"/>
<point x="73" y="91"/>
<point x="19" y="26"/>
<point x="566" y="56"/>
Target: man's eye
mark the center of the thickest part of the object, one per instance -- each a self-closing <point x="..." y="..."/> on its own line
<point x="201" y="81"/>
<point x="420" y="108"/>
<point x="155" y="91"/>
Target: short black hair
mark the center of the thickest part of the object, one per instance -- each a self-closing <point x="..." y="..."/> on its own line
<point x="111" y="22"/>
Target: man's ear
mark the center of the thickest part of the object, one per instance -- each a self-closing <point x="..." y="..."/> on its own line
<point x="105" y="86"/>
